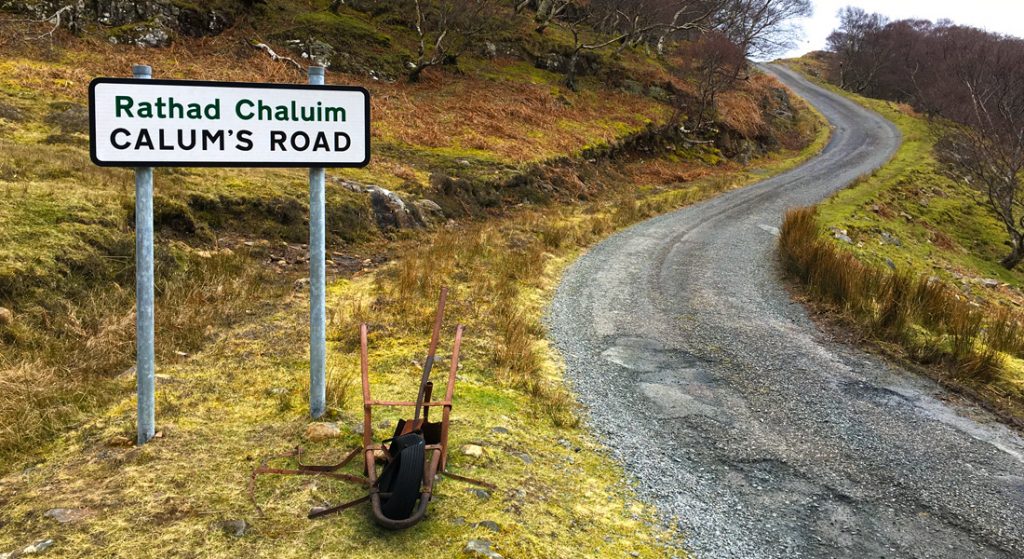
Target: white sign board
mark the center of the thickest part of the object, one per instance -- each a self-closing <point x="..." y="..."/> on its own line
<point x="160" y="123"/>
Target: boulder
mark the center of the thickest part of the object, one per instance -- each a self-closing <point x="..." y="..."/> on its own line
<point x="472" y="450"/>
<point x="428" y="213"/>
<point x="389" y="210"/>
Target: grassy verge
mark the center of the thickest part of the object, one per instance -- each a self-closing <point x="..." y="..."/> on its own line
<point x="243" y="398"/>
<point x="908" y="258"/>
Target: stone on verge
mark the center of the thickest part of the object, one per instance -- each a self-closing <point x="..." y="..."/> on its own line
<point x="234" y="528"/>
<point x="322" y="431"/>
<point x="6" y="316"/>
<point x="67" y="516"/>
<point x="472" y="450"/>
<point x="481" y="548"/>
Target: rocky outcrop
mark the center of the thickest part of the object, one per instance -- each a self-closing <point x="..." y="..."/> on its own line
<point x="147" y="23"/>
<point x="389" y="210"/>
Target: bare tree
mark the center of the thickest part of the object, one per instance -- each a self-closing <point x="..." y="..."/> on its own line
<point x="714" y="62"/>
<point x="601" y="23"/>
<point x="445" y="28"/>
<point x="985" y="92"/>
<point x="858" y="48"/>
<point x="762" y="27"/>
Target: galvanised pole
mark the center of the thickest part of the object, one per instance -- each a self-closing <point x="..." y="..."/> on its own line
<point x="317" y="281"/>
<point x="144" y="356"/>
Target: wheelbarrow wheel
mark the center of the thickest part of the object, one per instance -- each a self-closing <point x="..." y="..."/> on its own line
<point x="402" y="476"/>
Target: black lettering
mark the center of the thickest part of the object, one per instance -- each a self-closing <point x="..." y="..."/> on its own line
<point x="113" y="138"/>
<point x="144" y="139"/>
<point x="212" y="137"/>
<point x="160" y="139"/>
<point x="243" y="140"/>
<point x="321" y="142"/>
<point x="277" y="139"/>
<point x="338" y="136"/>
<point x="305" y="141"/>
<point x="191" y="140"/>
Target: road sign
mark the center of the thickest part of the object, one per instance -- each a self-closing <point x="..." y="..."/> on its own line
<point x="146" y="123"/>
<point x="161" y="123"/>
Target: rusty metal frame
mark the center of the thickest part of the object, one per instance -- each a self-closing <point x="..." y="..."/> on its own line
<point x="437" y="462"/>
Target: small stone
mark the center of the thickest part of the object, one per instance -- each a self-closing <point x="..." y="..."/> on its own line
<point x="890" y="264"/>
<point x="499" y="430"/>
<point x="842" y="236"/>
<point x="66" y="516"/>
<point x="472" y="450"/>
<point x="481" y="548"/>
<point x="990" y="283"/>
<point x="6" y="316"/>
<point x="301" y="284"/>
<point x="359" y="428"/>
<point x="479" y="494"/>
<point x="234" y="528"/>
<point x="524" y="457"/>
<point x="891" y="239"/>
<point x="38" y="547"/>
<point x="489" y="524"/>
<point x="316" y="432"/>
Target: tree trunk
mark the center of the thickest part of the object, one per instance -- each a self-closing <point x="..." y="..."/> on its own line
<point x="1016" y="253"/>
<point x="414" y="75"/>
<point x="570" y="74"/>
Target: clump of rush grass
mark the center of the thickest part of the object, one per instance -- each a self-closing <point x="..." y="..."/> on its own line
<point x="931" y="321"/>
<point x="61" y="362"/>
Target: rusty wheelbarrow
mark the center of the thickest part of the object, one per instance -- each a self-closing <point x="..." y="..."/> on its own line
<point x="412" y="458"/>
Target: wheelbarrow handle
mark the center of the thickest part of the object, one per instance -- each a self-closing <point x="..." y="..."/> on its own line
<point x="429" y="363"/>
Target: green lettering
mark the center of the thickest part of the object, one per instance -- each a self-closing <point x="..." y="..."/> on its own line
<point x="239" y="109"/>
<point x="213" y="110"/>
<point x="145" y="110"/>
<point x="123" y="103"/>
<point x="331" y="114"/>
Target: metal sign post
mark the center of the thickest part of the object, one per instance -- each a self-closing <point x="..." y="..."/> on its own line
<point x="144" y="354"/>
<point x="317" y="281"/>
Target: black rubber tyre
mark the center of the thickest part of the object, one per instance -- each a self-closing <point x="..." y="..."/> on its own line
<point x="402" y="477"/>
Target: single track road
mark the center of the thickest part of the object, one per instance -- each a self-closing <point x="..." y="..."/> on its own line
<point x="742" y="419"/>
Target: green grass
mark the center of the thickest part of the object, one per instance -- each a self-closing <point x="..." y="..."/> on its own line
<point x="911" y="223"/>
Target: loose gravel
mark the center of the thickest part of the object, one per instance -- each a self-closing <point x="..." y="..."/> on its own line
<point x="742" y="420"/>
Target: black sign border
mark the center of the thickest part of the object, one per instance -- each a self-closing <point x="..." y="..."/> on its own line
<point x="231" y="164"/>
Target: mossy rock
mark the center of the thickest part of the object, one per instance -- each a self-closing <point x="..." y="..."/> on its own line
<point x="11" y="113"/>
<point x="69" y="117"/>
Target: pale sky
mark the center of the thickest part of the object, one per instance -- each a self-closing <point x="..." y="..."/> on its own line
<point x="1000" y="16"/>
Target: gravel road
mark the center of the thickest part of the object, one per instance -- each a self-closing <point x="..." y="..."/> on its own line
<point x="743" y="420"/>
